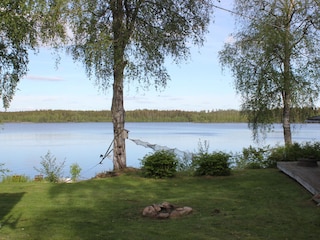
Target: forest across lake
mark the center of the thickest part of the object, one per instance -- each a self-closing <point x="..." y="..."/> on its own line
<point x="144" y="115"/>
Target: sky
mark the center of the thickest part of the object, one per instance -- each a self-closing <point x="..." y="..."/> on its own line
<point x="196" y="85"/>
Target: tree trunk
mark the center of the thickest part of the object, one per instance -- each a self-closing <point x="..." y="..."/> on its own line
<point x="286" y="121"/>
<point x="117" y="108"/>
<point x="118" y="114"/>
<point x="286" y="92"/>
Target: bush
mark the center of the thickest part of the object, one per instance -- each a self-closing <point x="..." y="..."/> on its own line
<point x="214" y="164"/>
<point x="50" y="168"/>
<point x="160" y="164"/>
<point x="75" y="170"/>
<point x="254" y="158"/>
<point x="295" y="151"/>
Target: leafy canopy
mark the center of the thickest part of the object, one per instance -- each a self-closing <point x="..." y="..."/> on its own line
<point x="24" y="25"/>
<point x="274" y="57"/>
<point x="150" y="31"/>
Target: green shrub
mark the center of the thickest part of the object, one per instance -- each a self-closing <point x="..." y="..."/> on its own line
<point x="160" y="164"/>
<point x="310" y="150"/>
<point x="75" y="170"/>
<point x="50" y="168"/>
<point x="214" y="164"/>
<point x="278" y="154"/>
<point x="254" y="158"/>
<point x="295" y="151"/>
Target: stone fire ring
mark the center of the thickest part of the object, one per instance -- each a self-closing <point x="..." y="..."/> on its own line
<point x="165" y="210"/>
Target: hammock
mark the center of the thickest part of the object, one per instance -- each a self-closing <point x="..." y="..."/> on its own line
<point x="183" y="155"/>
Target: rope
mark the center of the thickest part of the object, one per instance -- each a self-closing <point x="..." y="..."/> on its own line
<point x="109" y="150"/>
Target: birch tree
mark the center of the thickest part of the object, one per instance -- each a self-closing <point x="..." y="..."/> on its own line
<point x="24" y="25"/>
<point x="130" y="39"/>
<point x="275" y="59"/>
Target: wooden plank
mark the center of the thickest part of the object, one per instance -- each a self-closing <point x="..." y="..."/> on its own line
<point x="308" y="177"/>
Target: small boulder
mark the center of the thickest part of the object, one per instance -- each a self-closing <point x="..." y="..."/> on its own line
<point x="149" y="212"/>
<point x="179" y="212"/>
<point x="157" y="207"/>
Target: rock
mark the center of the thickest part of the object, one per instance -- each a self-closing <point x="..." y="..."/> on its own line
<point x="167" y="206"/>
<point x="156" y="207"/>
<point x="163" y="215"/>
<point x="165" y="210"/>
<point x="179" y="212"/>
<point x="149" y="212"/>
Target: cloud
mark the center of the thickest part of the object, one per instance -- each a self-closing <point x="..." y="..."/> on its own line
<point x="44" y="78"/>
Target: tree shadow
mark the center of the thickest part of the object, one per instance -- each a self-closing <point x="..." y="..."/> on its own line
<point x="91" y="210"/>
<point x="7" y="203"/>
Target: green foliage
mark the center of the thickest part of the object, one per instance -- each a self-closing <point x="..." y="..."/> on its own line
<point x="24" y="25"/>
<point x="160" y="164"/>
<point x="50" y="168"/>
<point x="219" y="116"/>
<point x="131" y="116"/>
<point x="15" y="178"/>
<point x="254" y="158"/>
<point x="267" y="157"/>
<point x="152" y="31"/>
<point x="118" y="40"/>
<point x="295" y="151"/>
<point x="274" y="58"/>
<point x="75" y="170"/>
<point x="212" y="164"/>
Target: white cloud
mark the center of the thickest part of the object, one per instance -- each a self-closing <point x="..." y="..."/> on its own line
<point x="44" y="78"/>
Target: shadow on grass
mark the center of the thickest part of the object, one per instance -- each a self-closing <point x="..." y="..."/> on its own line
<point x="97" y="209"/>
<point x="248" y="205"/>
<point x="7" y="203"/>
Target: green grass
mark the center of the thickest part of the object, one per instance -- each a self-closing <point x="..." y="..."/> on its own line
<point x="251" y="204"/>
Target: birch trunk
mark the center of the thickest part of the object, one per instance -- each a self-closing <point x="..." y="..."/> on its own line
<point x="117" y="108"/>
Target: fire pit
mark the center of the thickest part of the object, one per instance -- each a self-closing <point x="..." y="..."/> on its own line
<point x="165" y="210"/>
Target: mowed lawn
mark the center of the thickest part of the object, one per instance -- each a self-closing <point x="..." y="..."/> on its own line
<point x="249" y="204"/>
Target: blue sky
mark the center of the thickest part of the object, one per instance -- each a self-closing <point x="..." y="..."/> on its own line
<point x="199" y="84"/>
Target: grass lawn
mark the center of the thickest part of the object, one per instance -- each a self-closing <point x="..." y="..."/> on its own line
<point x="250" y="204"/>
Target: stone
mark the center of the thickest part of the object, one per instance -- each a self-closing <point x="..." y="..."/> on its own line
<point x="165" y="210"/>
<point x="167" y="206"/>
<point x="179" y="212"/>
<point x="163" y="215"/>
<point x="156" y="207"/>
<point x="149" y="212"/>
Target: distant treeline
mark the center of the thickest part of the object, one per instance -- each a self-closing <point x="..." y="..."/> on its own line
<point x="131" y="116"/>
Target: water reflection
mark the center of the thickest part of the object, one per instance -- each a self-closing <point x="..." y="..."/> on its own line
<point x="23" y="144"/>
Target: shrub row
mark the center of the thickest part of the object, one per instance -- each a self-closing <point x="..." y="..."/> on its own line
<point x="163" y="164"/>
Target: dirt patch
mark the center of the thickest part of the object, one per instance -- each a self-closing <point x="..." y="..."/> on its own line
<point x="128" y="170"/>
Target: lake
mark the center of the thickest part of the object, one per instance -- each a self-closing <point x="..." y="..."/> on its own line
<point x="23" y="144"/>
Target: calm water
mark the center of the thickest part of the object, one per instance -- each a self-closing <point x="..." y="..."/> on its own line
<point x="23" y="144"/>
